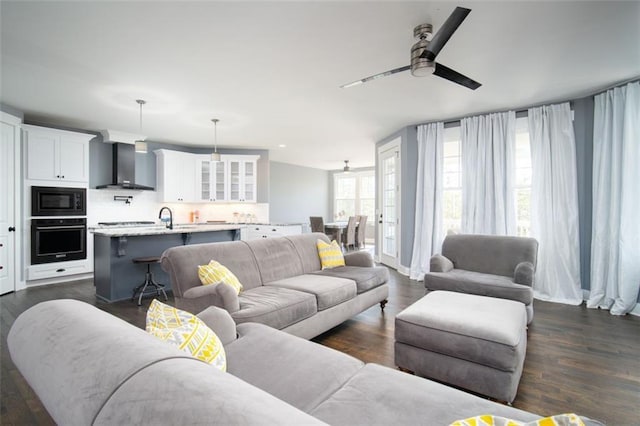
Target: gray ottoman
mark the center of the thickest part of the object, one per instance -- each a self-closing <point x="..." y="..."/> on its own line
<point x="473" y="342"/>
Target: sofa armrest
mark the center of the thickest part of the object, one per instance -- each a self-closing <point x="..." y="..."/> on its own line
<point x="524" y="273"/>
<point x="219" y="320"/>
<point x="359" y="258"/>
<point x="214" y="293"/>
<point x="439" y="263"/>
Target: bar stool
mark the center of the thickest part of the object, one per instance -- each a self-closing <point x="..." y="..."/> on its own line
<point x="149" y="285"/>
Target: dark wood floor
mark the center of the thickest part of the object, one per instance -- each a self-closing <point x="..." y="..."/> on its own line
<point x="578" y="360"/>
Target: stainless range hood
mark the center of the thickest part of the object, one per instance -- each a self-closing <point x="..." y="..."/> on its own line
<point x="123" y="166"/>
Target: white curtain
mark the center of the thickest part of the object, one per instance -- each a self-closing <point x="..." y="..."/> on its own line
<point x="615" y="238"/>
<point x="487" y="174"/>
<point x="427" y="238"/>
<point x="554" y="204"/>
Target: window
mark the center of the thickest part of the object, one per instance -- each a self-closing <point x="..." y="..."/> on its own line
<point x="355" y="194"/>
<point x="522" y="184"/>
<point x="452" y="181"/>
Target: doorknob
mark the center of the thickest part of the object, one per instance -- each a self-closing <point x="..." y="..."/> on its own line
<point x="12" y="229"/>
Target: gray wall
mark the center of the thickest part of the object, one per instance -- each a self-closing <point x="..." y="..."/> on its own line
<point x="11" y="111"/>
<point x="100" y="164"/>
<point x="298" y="192"/>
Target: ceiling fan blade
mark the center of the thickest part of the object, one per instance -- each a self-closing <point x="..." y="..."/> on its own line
<point x="444" y="33"/>
<point x="373" y="77"/>
<point x="455" y="76"/>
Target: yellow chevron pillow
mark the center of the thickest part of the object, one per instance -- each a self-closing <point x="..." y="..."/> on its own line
<point x="489" y="420"/>
<point x="188" y="332"/>
<point x="330" y="254"/>
<point x="216" y="273"/>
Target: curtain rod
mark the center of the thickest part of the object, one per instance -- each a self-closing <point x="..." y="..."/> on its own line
<point x="523" y="111"/>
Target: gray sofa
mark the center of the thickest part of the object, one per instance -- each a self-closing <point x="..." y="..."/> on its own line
<point x="284" y="286"/>
<point x="486" y="265"/>
<point x="89" y="367"/>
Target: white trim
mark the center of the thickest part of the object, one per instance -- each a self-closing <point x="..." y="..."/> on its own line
<point x="396" y="145"/>
<point x="404" y="270"/>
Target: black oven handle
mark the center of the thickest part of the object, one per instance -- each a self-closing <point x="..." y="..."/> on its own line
<point x="41" y="228"/>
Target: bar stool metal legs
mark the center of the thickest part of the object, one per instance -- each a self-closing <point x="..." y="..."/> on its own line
<point x="149" y="286"/>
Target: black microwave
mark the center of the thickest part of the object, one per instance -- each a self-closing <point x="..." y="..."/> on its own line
<point x="56" y="201"/>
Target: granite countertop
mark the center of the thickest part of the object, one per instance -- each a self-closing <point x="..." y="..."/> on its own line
<point x="161" y="229"/>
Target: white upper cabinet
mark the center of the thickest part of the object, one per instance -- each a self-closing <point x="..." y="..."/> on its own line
<point x="176" y="177"/>
<point x="242" y="179"/>
<point x="211" y="178"/>
<point x="186" y="177"/>
<point x="57" y="155"/>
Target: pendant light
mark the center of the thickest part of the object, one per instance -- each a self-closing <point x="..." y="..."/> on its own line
<point x="346" y="168"/>
<point x="141" y="145"/>
<point x="214" y="155"/>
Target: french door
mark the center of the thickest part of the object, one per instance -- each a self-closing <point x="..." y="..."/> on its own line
<point x="389" y="203"/>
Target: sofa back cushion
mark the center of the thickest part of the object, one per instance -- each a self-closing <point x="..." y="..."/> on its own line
<point x="489" y="254"/>
<point x="181" y="263"/>
<point x="277" y="258"/>
<point x="307" y="249"/>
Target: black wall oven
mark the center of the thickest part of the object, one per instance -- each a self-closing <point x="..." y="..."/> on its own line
<point x="56" y="201"/>
<point x="58" y="240"/>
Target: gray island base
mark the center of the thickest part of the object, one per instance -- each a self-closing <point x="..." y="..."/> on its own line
<point x="115" y="274"/>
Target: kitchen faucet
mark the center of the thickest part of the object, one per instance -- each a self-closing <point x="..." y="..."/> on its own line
<point x="170" y="224"/>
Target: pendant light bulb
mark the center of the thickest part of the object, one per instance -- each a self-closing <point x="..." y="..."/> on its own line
<point x="214" y="155"/>
<point x="141" y="145"/>
<point x="346" y="168"/>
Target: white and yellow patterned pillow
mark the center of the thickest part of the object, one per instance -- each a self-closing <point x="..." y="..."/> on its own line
<point x="216" y="273"/>
<point x="330" y="254"/>
<point x="188" y="332"/>
<point x="490" y="420"/>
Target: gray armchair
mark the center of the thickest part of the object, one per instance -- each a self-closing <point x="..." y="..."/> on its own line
<point x="487" y="265"/>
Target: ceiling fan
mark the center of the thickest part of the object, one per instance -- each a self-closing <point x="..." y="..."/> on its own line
<point x="424" y="52"/>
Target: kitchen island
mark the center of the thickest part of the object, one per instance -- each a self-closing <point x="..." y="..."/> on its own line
<point x="115" y="274"/>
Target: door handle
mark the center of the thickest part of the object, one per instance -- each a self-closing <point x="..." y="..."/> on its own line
<point x="12" y="229"/>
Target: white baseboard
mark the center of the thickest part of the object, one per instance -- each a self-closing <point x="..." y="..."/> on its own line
<point x="404" y="270"/>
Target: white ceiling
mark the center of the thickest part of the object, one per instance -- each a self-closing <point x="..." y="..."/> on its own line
<point x="271" y="70"/>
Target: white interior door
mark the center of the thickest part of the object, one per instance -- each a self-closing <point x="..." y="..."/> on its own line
<point x="10" y="135"/>
<point x="389" y="204"/>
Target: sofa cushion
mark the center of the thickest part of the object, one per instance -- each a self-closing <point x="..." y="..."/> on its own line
<point x="290" y="368"/>
<point x="181" y="263"/>
<point x="216" y="273"/>
<point x="187" y="332"/>
<point x="305" y="245"/>
<point x="467" y="282"/>
<point x="276" y="307"/>
<point x="365" y="278"/>
<point x="378" y="395"/>
<point x="277" y="258"/>
<point x="329" y="291"/>
<point x="483" y="330"/>
<point x="489" y="254"/>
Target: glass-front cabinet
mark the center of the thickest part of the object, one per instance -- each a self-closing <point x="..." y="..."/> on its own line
<point x="242" y="178"/>
<point x="211" y="179"/>
<point x="233" y="179"/>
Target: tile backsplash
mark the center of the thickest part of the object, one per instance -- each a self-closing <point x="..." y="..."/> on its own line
<point x="144" y="206"/>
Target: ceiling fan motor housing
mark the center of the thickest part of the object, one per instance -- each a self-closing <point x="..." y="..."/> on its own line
<point x="421" y="67"/>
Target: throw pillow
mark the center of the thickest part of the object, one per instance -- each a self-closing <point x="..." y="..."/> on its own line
<point x="489" y="420"/>
<point x="188" y="332"/>
<point x="216" y="273"/>
<point x="330" y="254"/>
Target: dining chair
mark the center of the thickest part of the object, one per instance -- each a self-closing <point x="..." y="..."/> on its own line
<point x="317" y="223"/>
<point x="360" y="234"/>
<point x="350" y="233"/>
